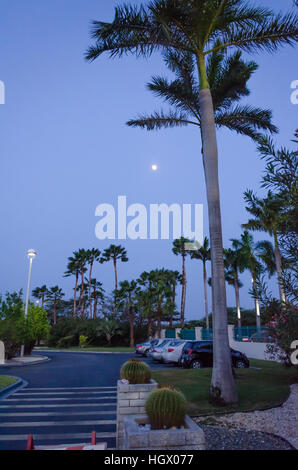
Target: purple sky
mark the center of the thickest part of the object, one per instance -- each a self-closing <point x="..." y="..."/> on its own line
<point x="65" y="148"/>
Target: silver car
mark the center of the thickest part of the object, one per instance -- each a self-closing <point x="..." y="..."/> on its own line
<point x="143" y="348"/>
<point x="173" y="352"/>
<point x="157" y="351"/>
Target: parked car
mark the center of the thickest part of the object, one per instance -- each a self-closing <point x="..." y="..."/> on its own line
<point x="156" y="351"/>
<point x="143" y="348"/>
<point x="173" y="352"/>
<point x="197" y="354"/>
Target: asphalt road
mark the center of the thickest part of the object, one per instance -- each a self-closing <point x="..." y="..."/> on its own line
<point x="65" y="400"/>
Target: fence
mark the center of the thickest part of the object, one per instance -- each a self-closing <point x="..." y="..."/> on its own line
<point x="251" y="333"/>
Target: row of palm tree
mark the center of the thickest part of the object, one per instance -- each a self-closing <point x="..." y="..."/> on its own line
<point x="78" y="265"/>
<point x="198" y="32"/>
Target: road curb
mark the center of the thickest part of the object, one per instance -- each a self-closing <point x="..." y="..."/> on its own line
<point x="85" y="352"/>
<point x="7" y="391"/>
<point x="24" y="364"/>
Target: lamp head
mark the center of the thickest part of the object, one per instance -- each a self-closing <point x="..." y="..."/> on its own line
<point x="31" y="254"/>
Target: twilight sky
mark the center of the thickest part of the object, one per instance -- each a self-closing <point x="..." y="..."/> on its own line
<point x="65" y="147"/>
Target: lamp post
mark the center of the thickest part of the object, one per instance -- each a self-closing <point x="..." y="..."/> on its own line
<point x="31" y="255"/>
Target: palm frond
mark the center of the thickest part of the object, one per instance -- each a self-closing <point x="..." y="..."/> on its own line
<point x="246" y="120"/>
<point x="159" y="120"/>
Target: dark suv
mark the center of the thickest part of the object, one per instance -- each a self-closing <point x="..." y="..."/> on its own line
<point x="197" y="354"/>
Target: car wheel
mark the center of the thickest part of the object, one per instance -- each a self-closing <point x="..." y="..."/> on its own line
<point x="196" y="364"/>
<point x="240" y="364"/>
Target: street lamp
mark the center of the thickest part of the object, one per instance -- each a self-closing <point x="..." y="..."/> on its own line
<point x="31" y="255"/>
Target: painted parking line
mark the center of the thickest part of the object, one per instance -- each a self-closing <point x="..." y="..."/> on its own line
<point x="57" y="413"/>
<point x="10" y="424"/>
<point x="56" y="399"/>
<point x="53" y="437"/>
<point x="20" y="394"/>
<point x="64" y="405"/>
<point x="69" y="388"/>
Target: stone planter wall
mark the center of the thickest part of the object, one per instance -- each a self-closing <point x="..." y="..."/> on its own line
<point x="190" y="438"/>
<point x="131" y="400"/>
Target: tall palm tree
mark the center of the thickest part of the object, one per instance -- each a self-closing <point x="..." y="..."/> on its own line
<point x="115" y="253"/>
<point x="73" y="269"/>
<point x="267" y="213"/>
<point x="97" y="293"/>
<point x="200" y="27"/>
<point x="257" y="256"/>
<point x="235" y="263"/>
<point x="127" y="294"/>
<point x="92" y="256"/>
<point x="55" y="294"/>
<point x="81" y="259"/>
<point x="174" y="278"/>
<point x="40" y="293"/>
<point x="203" y="253"/>
<point x="180" y="250"/>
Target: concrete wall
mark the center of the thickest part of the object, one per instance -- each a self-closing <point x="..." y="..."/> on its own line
<point x="131" y="400"/>
<point x="252" y="350"/>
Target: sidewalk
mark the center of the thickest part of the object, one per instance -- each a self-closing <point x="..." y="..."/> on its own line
<point x="24" y="361"/>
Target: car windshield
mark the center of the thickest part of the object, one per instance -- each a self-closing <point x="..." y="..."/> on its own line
<point x="176" y="343"/>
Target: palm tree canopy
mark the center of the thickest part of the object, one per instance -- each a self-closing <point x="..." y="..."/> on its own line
<point x="267" y="212"/>
<point x="227" y="77"/>
<point x="203" y="253"/>
<point x="196" y="26"/>
<point x="115" y="252"/>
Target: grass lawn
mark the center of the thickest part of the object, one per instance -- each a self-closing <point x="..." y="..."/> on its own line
<point x="6" y="381"/>
<point x="95" y="349"/>
<point x="257" y="389"/>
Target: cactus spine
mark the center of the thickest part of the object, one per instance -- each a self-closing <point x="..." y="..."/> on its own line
<point x="136" y="372"/>
<point x="166" y="408"/>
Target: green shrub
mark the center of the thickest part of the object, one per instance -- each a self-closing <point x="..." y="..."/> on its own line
<point x="83" y="341"/>
<point x="136" y="372"/>
<point x="166" y="408"/>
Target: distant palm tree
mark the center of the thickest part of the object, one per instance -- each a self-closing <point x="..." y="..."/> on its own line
<point x="92" y="256"/>
<point x="267" y="213"/>
<point x="40" y="293"/>
<point x="203" y="253"/>
<point x="97" y="293"/>
<point x="127" y="294"/>
<point x="200" y="27"/>
<point x="179" y="249"/>
<point x="235" y="263"/>
<point x="115" y="253"/>
<point x="55" y="294"/>
<point x="174" y="278"/>
<point x="73" y="269"/>
<point x="81" y="259"/>
<point x="256" y="255"/>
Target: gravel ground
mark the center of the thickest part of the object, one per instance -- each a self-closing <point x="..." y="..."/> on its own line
<point x="249" y="430"/>
<point x="223" y="438"/>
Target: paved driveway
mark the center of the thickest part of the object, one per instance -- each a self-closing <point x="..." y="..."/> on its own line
<point x="65" y="400"/>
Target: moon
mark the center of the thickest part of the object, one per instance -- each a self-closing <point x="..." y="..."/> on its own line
<point x="154" y="167"/>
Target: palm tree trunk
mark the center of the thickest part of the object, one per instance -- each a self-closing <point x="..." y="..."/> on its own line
<point x="183" y="291"/>
<point x="205" y="294"/>
<point x="95" y="305"/>
<point x="236" y="284"/>
<point x="89" y="289"/>
<point x="223" y="388"/>
<point x="279" y="269"/>
<point x="82" y="292"/>
<point x="159" y="320"/>
<point x="75" y="295"/>
<point x="257" y="305"/>
<point x="115" y="269"/>
<point x="173" y="300"/>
